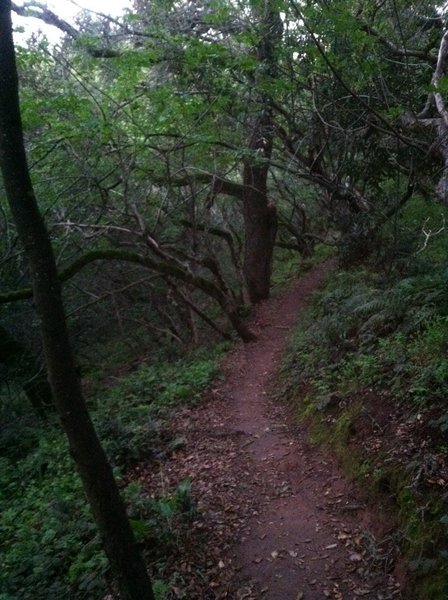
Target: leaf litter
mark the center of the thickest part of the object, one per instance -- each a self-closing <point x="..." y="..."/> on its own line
<point x="260" y="531"/>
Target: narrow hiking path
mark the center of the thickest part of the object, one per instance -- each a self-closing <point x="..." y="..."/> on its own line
<point x="303" y="540"/>
<point x="279" y="521"/>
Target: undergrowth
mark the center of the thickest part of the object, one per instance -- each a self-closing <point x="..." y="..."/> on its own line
<point x="48" y="543"/>
<point x="288" y="265"/>
<point x="374" y="342"/>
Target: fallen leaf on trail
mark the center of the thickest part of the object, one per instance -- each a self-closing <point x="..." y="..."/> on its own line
<point x="230" y="487"/>
<point x="334" y="594"/>
<point x="244" y="593"/>
<point x="355" y="557"/>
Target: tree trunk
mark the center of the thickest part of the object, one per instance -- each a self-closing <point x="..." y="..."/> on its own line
<point x="260" y="228"/>
<point x="260" y="217"/>
<point x="93" y="467"/>
<point x="26" y="368"/>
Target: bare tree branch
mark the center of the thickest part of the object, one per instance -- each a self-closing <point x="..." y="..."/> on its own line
<point x="438" y="73"/>
<point x="430" y="233"/>
<point x="41" y="12"/>
<point x="44" y="14"/>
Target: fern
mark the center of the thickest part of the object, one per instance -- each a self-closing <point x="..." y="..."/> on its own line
<point x="364" y="331"/>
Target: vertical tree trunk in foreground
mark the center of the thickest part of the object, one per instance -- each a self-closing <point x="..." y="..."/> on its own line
<point x="91" y="461"/>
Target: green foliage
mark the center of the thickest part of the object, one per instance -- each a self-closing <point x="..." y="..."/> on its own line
<point x="134" y="432"/>
<point x="288" y="265"/>
<point x="366" y="331"/>
<point x="48" y="542"/>
<point x="157" y="521"/>
<point x="46" y="529"/>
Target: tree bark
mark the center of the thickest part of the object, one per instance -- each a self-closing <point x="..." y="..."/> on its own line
<point x="260" y="217"/>
<point x="26" y="368"/>
<point x="91" y="461"/>
<point x="260" y="228"/>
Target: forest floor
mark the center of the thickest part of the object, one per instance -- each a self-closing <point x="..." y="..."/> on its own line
<point x="276" y="517"/>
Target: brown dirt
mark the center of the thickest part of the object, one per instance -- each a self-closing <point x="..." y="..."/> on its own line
<point x="278" y="519"/>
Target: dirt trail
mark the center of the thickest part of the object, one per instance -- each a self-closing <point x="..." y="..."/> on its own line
<point x="303" y="541"/>
<point x="279" y="520"/>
